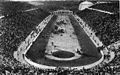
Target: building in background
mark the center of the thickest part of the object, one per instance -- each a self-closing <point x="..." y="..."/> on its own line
<point x="85" y="5"/>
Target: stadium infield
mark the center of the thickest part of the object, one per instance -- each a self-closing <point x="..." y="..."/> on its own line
<point x="37" y="51"/>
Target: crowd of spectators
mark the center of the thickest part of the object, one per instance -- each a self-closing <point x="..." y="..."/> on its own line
<point x="105" y="26"/>
<point x="14" y="29"/>
<point x="110" y="7"/>
<point x="55" y="5"/>
<point x="9" y="8"/>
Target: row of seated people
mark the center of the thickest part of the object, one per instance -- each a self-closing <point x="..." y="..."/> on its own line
<point x="108" y="69"/>
<point x="105" y="26"/>
<point x="15" y="29"/>
<point x="10" y="7"/>
<point x="110" y="7"/>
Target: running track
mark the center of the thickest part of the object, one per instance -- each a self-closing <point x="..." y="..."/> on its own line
<point x="37" y="50"/>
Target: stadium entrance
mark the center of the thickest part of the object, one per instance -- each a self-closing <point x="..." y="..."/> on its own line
<point x="62" y="12"/>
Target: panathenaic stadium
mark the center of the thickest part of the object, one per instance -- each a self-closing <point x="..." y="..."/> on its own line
<point x="60" y="38"/>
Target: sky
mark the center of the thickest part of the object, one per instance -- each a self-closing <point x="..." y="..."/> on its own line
<point x="36" y="0"/>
